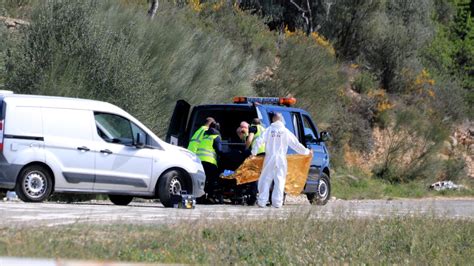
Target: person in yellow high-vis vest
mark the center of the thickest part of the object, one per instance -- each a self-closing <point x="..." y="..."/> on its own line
<point x="208" y="151"/>
<point x="198" y="135"/>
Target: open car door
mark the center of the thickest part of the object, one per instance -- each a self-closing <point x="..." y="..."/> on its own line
<point x="177" y="129"/>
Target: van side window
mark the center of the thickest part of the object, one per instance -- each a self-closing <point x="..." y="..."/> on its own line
<point x="309" y="128"/>
<point x="114" y="128"/>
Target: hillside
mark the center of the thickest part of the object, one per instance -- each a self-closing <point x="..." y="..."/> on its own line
<point x="391" y="80"/>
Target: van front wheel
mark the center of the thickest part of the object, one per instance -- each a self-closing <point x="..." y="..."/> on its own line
<point x="170" y="184"/>
<point x="34" y="184"/>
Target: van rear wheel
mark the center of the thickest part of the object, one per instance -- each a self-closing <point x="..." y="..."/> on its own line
<point x="120" y="200"/>
<point x="321" y="197"/>
<point x="34" y="184"/>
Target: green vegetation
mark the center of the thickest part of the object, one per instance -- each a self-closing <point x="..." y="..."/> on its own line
<point x="306" y="71"/>
<point x="298" y="240"/>
<point x="351" y="184"/>
<point x="105" y="51"/>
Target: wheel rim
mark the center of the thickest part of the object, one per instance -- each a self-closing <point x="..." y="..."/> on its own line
<point x="35" y="184"/>
<point x="322" y="189"/>
<point x="175" y="186"/>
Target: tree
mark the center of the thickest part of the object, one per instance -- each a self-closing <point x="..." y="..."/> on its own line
<point x="153" y="8"/>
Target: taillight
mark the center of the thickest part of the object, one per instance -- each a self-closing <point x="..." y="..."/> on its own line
<point x="1" y="135"/>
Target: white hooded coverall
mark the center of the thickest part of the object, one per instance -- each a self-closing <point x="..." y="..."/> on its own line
<point x="277" y="139"/>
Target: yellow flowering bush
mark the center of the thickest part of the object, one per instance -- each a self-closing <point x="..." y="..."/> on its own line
<point x="423" y="84"/>
<point x="218" y="5"/>
<point x="354" y="66"/>
<point x="317" y="38"/>
<point x="298" y="32"/>
<point x="322" y="41"/>
<point x="215" y="6"/>
<point x="196" y="5"/>
<point x="381" y="99"/>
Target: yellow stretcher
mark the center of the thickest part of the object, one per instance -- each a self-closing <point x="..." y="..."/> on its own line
<point x="298" y="168"/>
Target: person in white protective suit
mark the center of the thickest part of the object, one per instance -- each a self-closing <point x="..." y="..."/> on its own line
<point x="277" y="138"/>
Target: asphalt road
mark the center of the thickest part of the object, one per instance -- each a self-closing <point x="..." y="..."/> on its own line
<point x="19" y="214"/>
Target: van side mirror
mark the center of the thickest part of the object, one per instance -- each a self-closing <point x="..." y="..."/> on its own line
<point x="308" y="138"/>
<point x="325" y="136"/>
<point x="138" y="142"/>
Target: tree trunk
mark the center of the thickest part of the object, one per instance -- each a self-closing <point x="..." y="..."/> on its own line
<point x="153" y="8"/>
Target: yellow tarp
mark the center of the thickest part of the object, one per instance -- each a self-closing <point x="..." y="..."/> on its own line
<point x="298" y="168"/>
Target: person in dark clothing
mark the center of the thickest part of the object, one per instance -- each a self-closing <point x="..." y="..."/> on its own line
<point x="209" y="151"/>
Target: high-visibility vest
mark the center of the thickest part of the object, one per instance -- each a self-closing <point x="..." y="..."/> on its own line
<point x="196" y="139"/>
<point x="205" y="151"/>
<point x="260" y="130"/>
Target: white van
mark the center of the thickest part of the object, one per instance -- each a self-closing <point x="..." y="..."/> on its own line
<point x="56" y="144"/>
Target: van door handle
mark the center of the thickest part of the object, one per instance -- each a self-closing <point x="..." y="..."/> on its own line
<point x="83" y="148"/>
<point x="107" y="151"/>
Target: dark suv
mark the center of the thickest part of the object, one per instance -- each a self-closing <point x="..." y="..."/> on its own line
<point x="298" y="121"/>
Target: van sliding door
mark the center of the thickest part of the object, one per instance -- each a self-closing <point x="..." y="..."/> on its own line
<point x="68" y="144"/>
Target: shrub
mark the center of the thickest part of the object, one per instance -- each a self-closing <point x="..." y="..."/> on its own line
<point x="412" y="144"/>
<point x="240" y="26"/>
<point x="364" y="82"/>
<point x="449" y="100"/>
<point x="386" y="36"/>
<point x="347" y="23"/>
<point x="14" y="8"/>
<point x="67" y="52"/>
<point x="103" y="51"/>
<point x="3" y="51"/>
<point x="350" y="128"/>
<point x="453" y="169"/>
<point x="308" y="72"/>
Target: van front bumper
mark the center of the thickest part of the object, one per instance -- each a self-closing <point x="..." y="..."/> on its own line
<point x="199" y="180"/>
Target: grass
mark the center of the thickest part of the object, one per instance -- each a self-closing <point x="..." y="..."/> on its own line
<point x="297" y="240"/>
<point x="356" y="185"/>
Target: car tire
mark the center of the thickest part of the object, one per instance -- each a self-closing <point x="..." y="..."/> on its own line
<point x="34" y="184"/>
<point x="324" y="191"/>
<point x="120" y="200"/>
<point x="171" y="183"/>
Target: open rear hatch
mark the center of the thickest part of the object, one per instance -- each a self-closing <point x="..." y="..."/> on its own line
<point x="229" y="116"/>
<point x="177" y="129"/>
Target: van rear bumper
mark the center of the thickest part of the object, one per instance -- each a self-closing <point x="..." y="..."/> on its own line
<point x="8" y="173"/>
<point x="199" y="180"/>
